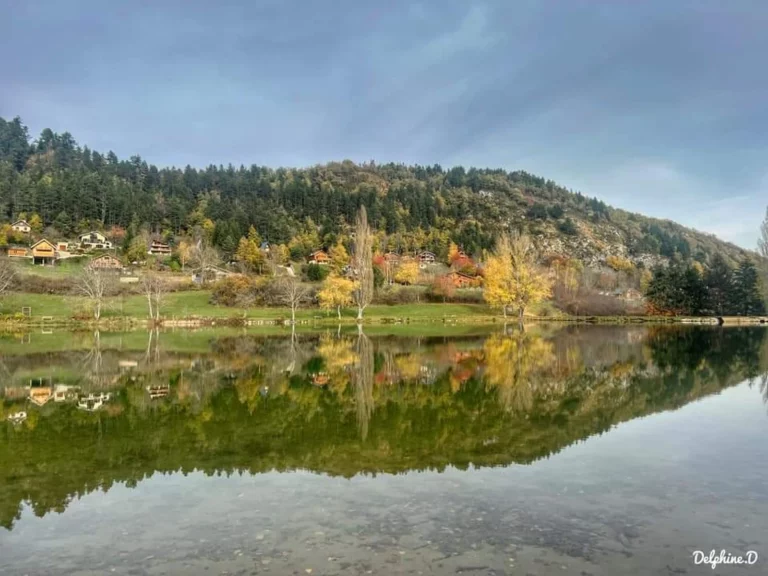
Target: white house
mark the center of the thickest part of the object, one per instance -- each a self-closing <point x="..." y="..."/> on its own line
<point x="21" y="226"/>
<point x="95" y="241"/>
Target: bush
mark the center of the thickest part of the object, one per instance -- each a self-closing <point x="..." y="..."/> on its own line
<point x="399" y="295"/>
<point x="316" y="272"/>
<point x="568" y="227"/>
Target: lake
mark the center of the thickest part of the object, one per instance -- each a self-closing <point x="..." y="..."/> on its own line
<point x="587" y="450"/>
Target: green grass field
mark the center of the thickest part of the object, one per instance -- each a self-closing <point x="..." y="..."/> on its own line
<point x="197" y="304"/>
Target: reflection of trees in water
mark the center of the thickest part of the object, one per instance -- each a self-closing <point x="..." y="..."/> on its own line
<point x="364" y="383"/>
<point x="516" y="366"/>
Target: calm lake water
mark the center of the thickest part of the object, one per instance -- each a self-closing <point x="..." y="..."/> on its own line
<point x="576" y="450"/>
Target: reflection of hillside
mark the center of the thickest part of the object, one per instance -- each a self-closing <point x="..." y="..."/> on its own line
<point x="382" y="405"/>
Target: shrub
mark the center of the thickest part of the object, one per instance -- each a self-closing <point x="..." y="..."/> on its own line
<point x="568" y="227"/>
<point x="316" y="272"/>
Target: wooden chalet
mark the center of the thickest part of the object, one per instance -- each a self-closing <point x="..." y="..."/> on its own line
<point x="44" y="252"/>
<point x="18" y="252"/>
<point x="319" y="257"/>
<point x="461" y="280"/>
<point x="21" y="226"/>
<point x="159" y="249"/>
<point x="105" y="262"/>
<point x="40" y="395"/>
<point x="426" y="257"/>
<point x="392" y="257"/>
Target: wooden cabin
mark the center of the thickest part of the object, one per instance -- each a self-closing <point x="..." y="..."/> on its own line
<point x="62" y="246"/>
<point x="21" y="226"/>
<point x="461" y="280"/>
<point x="18" y="252"/>
<point x="426" y="257"/>
<point x="44" y="252"/>
<point x="105" y="262"/>
<point x="159" y="249"/>
<point x="319" y="257"/>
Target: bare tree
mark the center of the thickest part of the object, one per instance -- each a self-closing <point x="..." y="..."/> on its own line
<point x="762" y="242"/>
<point x="7" y="273"/>
<point x="204" y="257"/>
<point x="362" y="262"/>
<point x="291" y="292"/>
<point x="154" y="289"/>
<point x="94" y="285"/>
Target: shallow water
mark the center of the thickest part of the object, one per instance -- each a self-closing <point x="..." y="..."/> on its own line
<point x="594" y="450"/>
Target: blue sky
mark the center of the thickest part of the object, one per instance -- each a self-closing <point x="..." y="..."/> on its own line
<point x="655" y="106"/>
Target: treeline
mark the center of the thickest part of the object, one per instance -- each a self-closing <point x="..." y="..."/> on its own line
<point x="73" y="189"/>
<point x="689" y="289"/>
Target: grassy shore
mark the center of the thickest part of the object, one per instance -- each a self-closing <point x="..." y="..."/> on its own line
<point x="196" y="304"/>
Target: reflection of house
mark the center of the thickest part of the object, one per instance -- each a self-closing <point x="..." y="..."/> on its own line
<point x="320" y="379"/>
<point x="106" y="262"/>
<point x="21" y="226"/>
<point x="43" y="252"/>
<point x="95" y="241"/>
<point x="426" y="257"/>
<point x="319" y="257"/>
<point x="92" y="402"/>
<point x="159" y="249"/>
<point x="17" y="417"/>
<point x="15" y="392"/>
<point x="18" y="252"/>
<point x="39" y="393"/>
<point x="158" y="390"/>
<point x="65" y="393"/>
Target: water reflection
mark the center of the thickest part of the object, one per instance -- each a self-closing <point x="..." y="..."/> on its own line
<point x="81" y="412"/>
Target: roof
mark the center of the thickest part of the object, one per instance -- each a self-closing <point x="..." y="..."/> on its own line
<point x="20" y="222"/>
<point x="51" y="244"/>
<point x="92" y="232"/>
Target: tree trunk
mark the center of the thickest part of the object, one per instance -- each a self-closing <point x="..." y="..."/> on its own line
<point x="338" y="310"/>
<point x="293" y="315"/>
<point x="504" y="311"/>
<point x="149" y="303"/>
<point x="359" y="314"/>
<point x="520" y="313"/>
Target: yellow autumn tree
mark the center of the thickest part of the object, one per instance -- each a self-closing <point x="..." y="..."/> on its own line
<point x="336" y="293"/>
<point x="184" y="253"/>
<point x="339" y="256"/>
<point x="407" y="273"/>
<point x="248" y="254"/>
<point x="512" y="277"/>
<point x="36" y="223"/>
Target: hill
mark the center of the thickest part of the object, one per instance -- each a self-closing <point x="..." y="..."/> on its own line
<point x="74" y="189"/>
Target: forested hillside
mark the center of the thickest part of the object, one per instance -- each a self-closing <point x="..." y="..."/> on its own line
<point x="74" y="189"/>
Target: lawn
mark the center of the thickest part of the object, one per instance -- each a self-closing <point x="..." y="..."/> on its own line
<point x="196" y="303"/>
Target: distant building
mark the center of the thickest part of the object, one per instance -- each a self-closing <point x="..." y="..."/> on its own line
<point x="95" y="241"/>
<point x="105" y="262"/>
<point x="426" y="257"/>
<point x="44" y="252"/>
<point x="62" y="246"/>
<point x="18" y="252"/>
<point x="319" y="257"/>
<point x="159" y="249"/>
<point x="264" y="247"/>
<point x="21" y="226"/>
<point x="211" y="273"/>
<point x="461" y="280"/>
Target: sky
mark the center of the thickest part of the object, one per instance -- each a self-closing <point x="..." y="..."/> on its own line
<point x="657" y="107"/>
